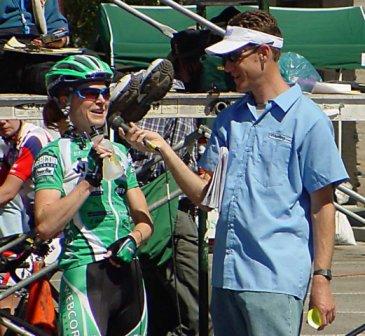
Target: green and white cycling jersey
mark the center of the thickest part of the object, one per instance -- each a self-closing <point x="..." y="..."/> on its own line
<point x="104" y="216"/>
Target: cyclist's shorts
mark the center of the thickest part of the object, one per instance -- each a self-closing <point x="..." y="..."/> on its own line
<point x="101" y="299"/>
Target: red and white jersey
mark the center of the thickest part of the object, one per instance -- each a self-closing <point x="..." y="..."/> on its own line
<point x="19" y="157"/>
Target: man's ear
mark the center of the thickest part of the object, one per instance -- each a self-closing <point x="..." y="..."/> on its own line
<point x="264" y="52"/>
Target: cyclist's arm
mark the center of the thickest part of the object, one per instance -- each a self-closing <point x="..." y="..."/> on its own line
<point x="20" y="171"/>
<point x="140" y="215"/>
<point x="9" y="189"/>
<point x="52" y="212"/>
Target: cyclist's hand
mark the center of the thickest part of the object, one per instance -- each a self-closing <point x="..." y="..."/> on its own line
<point x="94" y="173"/>
<point x="123" y="250"/>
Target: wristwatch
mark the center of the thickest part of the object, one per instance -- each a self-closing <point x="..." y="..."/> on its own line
<point x="324" y="272"/>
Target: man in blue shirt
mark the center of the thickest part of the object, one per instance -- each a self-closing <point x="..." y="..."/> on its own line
<point x="277" y="215"/>
<point x="24" y="72"/>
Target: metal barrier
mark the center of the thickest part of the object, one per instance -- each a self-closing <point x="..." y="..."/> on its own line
<point x="356" y="331"/>
<point x="356" y="196"/>
<point x="350" y="213"/>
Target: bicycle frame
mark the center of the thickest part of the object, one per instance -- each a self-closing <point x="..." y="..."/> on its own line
<point x="12" y="322"/>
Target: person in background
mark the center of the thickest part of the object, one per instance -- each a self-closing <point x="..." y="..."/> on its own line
<point x="21" y="142"/>
<point x="177" y="278"/>
<point x="172" y="287"/>
<point x="276" y="216"/>
<point x="24" y="72"/>
<point x="104" y="221"/>
<point x="196" y="70"/>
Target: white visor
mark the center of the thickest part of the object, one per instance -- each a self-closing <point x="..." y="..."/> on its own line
<point x="237" y="37"/>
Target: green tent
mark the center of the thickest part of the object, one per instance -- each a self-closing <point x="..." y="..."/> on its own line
<point x="133" y="43"/>
<point x="328" y="38"/>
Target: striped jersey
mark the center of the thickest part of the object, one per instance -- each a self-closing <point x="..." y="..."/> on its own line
<point x="18" y="159"/>
<point x="104" y="216"/>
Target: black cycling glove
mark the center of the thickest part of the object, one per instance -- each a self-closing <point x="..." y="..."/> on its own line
<point x="124" y="249"/>
<point x="94" y="173"/>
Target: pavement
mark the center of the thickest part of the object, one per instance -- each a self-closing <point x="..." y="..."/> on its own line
<point x="348" y="285"/>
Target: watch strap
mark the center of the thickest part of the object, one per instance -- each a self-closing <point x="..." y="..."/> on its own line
<point x="327" y="273"/>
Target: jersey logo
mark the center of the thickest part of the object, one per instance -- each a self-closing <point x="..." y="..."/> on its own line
<point x="120" y="191"/>
<point x="45" y="166"/>
<point x="81" y="167"/>
<point x="280" y="137"/>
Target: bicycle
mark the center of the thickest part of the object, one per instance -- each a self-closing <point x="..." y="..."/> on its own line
<point x="19" y="267"/>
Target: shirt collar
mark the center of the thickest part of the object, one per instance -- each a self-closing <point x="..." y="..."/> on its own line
<point x="286" y="99"/>
<point x="250" y="103"/>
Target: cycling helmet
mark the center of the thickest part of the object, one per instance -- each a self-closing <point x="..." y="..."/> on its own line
<point x="75" y="70"/>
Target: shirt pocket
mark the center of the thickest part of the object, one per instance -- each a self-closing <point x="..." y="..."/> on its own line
<point x="271" y="164"/>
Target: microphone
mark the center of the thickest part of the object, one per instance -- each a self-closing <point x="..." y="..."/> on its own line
<point x="117" y="121"/>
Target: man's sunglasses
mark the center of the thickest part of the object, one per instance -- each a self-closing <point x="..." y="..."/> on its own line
<point x="238" y="55"/>
<point x="92" y="93"/>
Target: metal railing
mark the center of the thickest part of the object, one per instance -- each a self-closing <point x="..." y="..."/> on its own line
<point x="356" y="196"/>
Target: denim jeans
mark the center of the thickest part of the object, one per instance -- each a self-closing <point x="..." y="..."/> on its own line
<point x="237" y="313"/>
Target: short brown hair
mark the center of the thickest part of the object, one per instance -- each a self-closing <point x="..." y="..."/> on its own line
<point x="258" y="20"/>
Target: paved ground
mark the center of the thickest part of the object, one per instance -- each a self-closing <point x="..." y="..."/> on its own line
<point x="349" y="289"/>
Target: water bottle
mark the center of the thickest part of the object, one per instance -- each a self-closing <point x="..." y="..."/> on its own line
<point x="112" y="167"/>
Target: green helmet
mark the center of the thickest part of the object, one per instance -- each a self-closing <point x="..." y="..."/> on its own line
<point x="75" y="70"/>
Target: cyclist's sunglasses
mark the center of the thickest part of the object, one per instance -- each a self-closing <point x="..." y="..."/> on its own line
<point x="92" y="93"/>
<point x="238" y="55"/>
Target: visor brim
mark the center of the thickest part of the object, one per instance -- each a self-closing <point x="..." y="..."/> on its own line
<point x="225" y="47"/>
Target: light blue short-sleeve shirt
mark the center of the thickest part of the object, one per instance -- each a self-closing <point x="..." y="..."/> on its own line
<point x="263" y="235"/>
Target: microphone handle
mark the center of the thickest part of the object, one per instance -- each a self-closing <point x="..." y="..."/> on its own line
<point x="118" y="121"/>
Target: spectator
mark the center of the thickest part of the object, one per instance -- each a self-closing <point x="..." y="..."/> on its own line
<point x="21" y="142"/>
<point x="173" y="285"/>
<point x="178" y="278"/>
<point x="103" y="221"/>
<point x="198" y="71"/>
<point x="277" y="213"/>
<point x="187" y="48"/>
<point x="24" y="72"/>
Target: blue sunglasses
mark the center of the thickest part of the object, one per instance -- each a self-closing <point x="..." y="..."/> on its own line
<point x="92" y="93"/>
